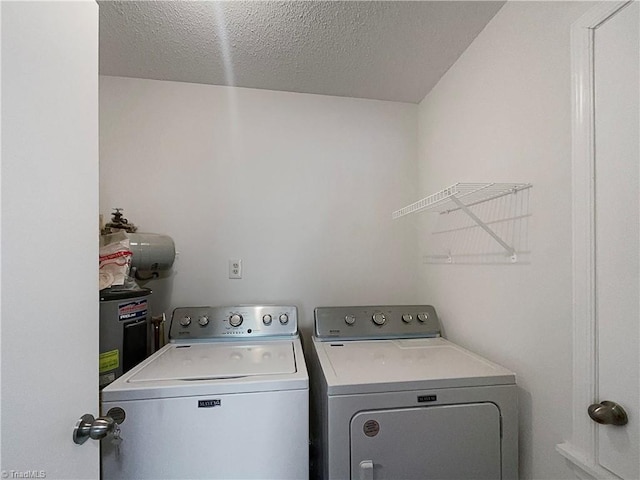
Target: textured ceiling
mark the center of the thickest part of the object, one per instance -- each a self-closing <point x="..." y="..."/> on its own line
<point x="385" y="50"/>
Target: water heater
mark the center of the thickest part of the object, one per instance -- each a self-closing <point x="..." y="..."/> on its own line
<point x="152" y="252"/>
<point x="124" y="331"/>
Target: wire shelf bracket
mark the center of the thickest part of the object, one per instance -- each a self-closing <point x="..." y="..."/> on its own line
<point x="461" y="196"/>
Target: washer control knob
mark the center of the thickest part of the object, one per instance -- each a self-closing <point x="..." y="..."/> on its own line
<point x="423" y="317"/>
<point x="267" y="319"/>
<point x="284" y="319"/>
<point x="350" y="319"/>
<point x="203" y="320"/>
<point x="235" y="320"/>
<point x="185" y="321"/>
<point x="379" y="318"/>
<point x="407" y="318"/>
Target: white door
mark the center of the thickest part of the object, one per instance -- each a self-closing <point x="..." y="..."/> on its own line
<point x="49" y="237"/>
<point x="617" y="235"/>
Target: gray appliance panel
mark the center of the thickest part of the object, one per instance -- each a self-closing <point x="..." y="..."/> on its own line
<point x="376" y="322"/>
<point x="240" y="322"/>
<point x="446" y="442"/>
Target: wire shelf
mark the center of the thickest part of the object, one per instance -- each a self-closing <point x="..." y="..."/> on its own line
<point x="468" y="194"/>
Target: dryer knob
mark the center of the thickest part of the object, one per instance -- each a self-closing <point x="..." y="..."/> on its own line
<point x="235" y="320"/>
<point x="350" y="319"/>
<point x="407" y="318"/>
<point x="267" y="319"/>
<point x="185" y="321"/>
<point x="423" y="317"/>
<point x="203" y="320"/>
<point x="379" y="318"/>
<point x="284" y="319"/>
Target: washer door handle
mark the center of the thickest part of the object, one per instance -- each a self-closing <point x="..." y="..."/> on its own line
<point x="366" y="470"/>
<point x="608" y="413"/>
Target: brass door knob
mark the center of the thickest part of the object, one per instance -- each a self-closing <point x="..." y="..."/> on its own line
<point x="608" y="413"/>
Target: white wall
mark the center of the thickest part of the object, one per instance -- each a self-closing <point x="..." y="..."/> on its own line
<point x="300" y="187"/>
<point x="502" y="113"/>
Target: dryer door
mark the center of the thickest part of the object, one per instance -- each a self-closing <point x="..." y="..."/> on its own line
<point x="438" y="442"/>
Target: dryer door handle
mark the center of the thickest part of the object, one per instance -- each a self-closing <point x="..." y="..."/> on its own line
<point x="366" y="470"/>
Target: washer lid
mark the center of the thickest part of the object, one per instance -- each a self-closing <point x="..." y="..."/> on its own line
<point x="214" y="361"/>
<point x="367" y="366"/>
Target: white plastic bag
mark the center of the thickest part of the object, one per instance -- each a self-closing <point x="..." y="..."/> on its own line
<point x="115" y="260"/>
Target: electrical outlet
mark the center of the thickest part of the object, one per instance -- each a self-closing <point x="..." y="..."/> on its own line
<point x="235" y="268"/>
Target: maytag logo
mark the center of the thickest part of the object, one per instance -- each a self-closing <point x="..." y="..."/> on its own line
<point x="427" y="398"/>
<point x="216" y="402"/>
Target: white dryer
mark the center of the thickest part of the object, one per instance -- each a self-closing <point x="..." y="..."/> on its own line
<point x="227" y="398"/>
<point x="391" y="399"/>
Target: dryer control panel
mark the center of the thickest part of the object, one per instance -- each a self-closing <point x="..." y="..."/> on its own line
<point x="235" y="322"/>
<point x="376" y="322"/>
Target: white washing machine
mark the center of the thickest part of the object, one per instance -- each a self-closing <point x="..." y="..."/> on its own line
<point x="227" y="398"/>
<point x="392" y="399"/>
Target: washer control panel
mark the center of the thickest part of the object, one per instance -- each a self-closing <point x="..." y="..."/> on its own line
<point x="242" y="321"/>
<point x="381" y="321"/>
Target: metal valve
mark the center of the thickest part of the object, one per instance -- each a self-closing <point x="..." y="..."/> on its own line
<point x="608" y="413"/>
<point x="95" y="428"/>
